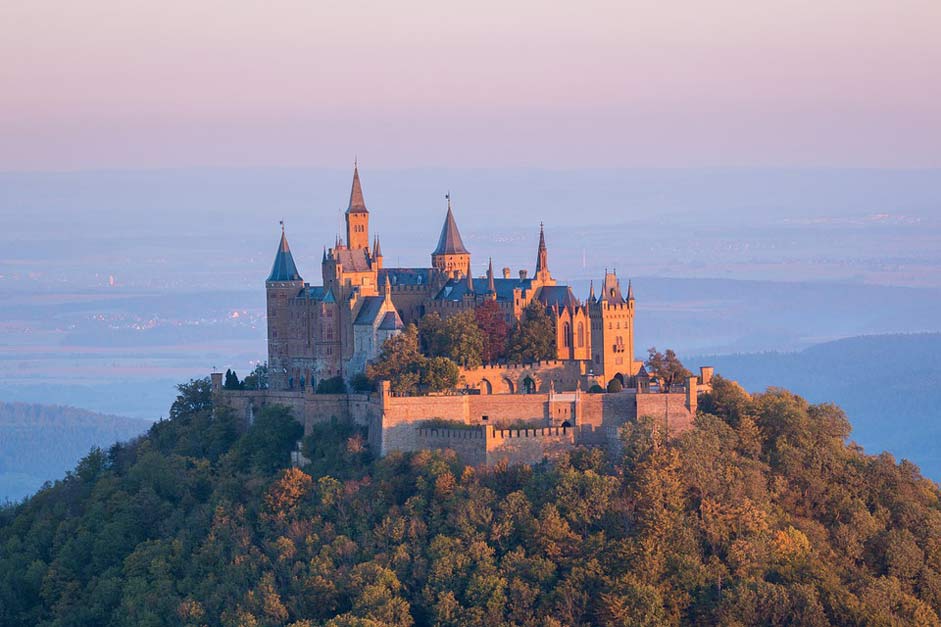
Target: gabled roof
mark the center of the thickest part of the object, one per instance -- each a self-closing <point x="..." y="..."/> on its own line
<point x="357" y="203"/>
<point x="283" y="268"/>
<point x="450" y="243"/>
<point x="353" y="260"/>
<point x="391" y="322"/>
<point x="560" y="296"/>
<point x="370" y="310"/>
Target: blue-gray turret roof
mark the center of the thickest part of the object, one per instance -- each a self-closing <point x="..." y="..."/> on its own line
<point x="284" y="268"/>
<point x="450" y="243"/>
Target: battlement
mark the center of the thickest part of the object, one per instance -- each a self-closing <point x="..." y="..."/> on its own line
<point x="449" y="433"/>
<point x="533" y="432"/>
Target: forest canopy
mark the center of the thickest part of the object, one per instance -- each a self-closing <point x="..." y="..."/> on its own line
<point x="762" y="514"/>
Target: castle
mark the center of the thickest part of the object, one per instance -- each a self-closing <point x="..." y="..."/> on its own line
<point x="335" y="329"/>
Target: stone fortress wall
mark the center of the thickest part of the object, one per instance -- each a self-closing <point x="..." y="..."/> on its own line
<point x="516" y="428"/>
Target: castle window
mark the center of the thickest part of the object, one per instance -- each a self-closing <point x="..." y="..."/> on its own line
<point x="566" y="335"/>
<point x="581" y="335"/>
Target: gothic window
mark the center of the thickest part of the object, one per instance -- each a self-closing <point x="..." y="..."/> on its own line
<point x="581" y="335"/>
<point x="566" y="335"/>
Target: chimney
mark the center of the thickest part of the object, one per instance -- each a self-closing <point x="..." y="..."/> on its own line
<point x="506" y="273"/>
<point x="523" y="274"/>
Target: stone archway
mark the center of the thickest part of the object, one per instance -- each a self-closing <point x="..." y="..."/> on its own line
<point x="509" y="386"/>
<point x="528" y="385"/>
<point x="485" y="386"/>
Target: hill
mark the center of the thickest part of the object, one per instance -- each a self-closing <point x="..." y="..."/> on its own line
<point x="39" y="443"/>
<point x="760" y="515"/>
<point x="889" y="386"/>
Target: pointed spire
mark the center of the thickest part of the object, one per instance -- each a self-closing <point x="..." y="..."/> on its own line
<point x="630" y="290"/>
<point x="450" y="243"/>
<point x="357" y="203"/>
<point x="388" y="290"/>
<point x="491" y="286"/>
<point x="376" y="250"/>
<point x="591" y="291"/>
<point x="283" y="268"/>
<point x="542" y="255"/>
<point x="324" y="259"/>
<point x="470" y="282"/>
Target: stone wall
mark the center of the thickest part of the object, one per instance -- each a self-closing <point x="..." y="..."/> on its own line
<point x="527" y="446"/>
<point x="510" y="378"/>
<point x="469" y="444"/>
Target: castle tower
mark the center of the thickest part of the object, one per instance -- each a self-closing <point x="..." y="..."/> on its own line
<point x="612" y="330"/>
<point x="283" y="284"/>
<point x="357" y="217"/>
<point x="450" y="256"/>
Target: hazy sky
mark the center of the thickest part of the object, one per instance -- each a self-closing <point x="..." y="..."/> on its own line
<point x="139" y="83"/>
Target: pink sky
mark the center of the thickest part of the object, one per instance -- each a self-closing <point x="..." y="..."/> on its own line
<point x="130" y="83"/>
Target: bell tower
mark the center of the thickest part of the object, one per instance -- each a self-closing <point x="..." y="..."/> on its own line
<point x="357" y="217"/>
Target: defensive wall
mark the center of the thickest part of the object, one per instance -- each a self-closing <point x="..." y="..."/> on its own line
<point x="518" y="428"/>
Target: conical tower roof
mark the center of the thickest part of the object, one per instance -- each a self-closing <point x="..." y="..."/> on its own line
<point x="357" y="203"/>
<point x="284" y="268"/>
<point x="450" y="243"/>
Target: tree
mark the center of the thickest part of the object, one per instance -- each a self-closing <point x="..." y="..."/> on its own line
<point x="400" y="362"/>
<point x="333" y="385"/>
<point x="362" y="383"/>
<point x="258" y="379"/>
<point x="267" y="445"/>
<point x="614" y="386"/>
<point x="439" y="374"/>
<point x="666" y="367"/>
<point x="193" y="397"/>
<point x="458" y="338"/>
<point x="231" y="381"/>
<point x="533" y="339"/>
<point x="492" y="324"/>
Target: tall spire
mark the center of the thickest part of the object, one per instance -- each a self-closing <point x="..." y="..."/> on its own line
<point x="376" y="250"/>
<point x="591" y="291"/>
<point x="630" y="290"/>
<point x="388" y="290"/>
<point x="283" y="268"/>
<point x="491" y="286"/>
<point x="357" y="203"/>
<point x="470" y="281"/>
<point x="542" y="256"/>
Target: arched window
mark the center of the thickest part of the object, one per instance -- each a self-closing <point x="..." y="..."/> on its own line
<point x="581" y="335"/>
<point x="566" y="335"/>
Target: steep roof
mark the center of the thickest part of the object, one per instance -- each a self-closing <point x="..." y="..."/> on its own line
<point x="357" y="203"/>
<point x="391" y="322"/>
<point x="283" y="268"/>
<point x="450" y="243"/>
<point x="560" y="296"/>
<point x="353" y="260"/>
<point x="370" y="310"/>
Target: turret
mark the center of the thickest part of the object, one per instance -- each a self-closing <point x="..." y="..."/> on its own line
<point x="283" y="284"/>
<point x="376" y="254"/>
<point x="450" y="256"/>
<point x="542" y="259"/>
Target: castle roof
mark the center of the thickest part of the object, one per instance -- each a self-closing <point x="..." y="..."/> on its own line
<point x="450" y="243"/>
<point x="391" y="322"/>
<point x="352" y="260"/>
<point x="456" y="289"/>
<point x="560" y="296"/>
<point x="357" y="203"/>
<point x="283" y="268"/>
<point x="406" y="276"/>
<point x="370" y="310"/>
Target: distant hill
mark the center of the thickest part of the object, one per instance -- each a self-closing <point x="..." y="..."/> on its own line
<point x="39" y="443"/>
<point x="889" y="386"/>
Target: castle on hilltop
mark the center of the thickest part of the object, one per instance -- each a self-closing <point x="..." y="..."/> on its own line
<point x="333" y="330"/>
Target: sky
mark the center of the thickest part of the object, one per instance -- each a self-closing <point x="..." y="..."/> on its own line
<point x="103" y="84"/>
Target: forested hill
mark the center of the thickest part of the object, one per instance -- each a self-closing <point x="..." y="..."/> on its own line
<point x="889" y="385"/>
<point x="41" y="442"/>
<point x="761" y="515"/>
